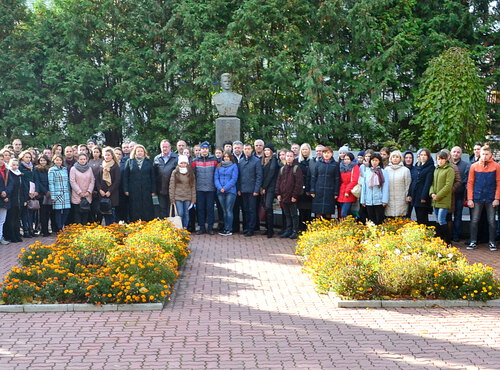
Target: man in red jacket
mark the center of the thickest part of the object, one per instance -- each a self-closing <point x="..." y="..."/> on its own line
<point x="288" y="189"/>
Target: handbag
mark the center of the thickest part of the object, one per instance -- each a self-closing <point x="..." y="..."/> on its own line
<point x="33" y="204"/>
<point x="356" y="190"/>
<point x="176" y="220"/>
<point x="84" y="205"/>
<point x="105" y="206"/>
<point x="262" y="211"/>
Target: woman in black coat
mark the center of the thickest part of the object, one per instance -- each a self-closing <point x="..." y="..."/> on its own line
<point x="41" y="177"/>
<point x="305" y="200"/>
<point x="12" y="223"/>
<point x="421" y="181"/>
<point x="270" y="170"/>
<point x="325" y="185"/>
<point x="6" y="186"/>
<point x="108" y="183"/>
<point x="139" y="184"/>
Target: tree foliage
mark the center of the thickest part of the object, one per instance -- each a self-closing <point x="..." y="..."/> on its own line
<point x="332" y="71"/>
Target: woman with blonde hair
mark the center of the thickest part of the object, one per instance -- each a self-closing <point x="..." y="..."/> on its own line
<point x="399" y="185"/>
<point x="306" y="162"/>
<point x="108" y="185"/>
<point x="139" y="184"/>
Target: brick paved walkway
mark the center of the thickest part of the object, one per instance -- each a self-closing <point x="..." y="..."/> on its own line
<point x="243" y="303"/>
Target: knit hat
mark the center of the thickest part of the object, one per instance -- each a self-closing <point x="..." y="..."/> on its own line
<point x="350" y="155"/>
<point x="361" y="154"/>
<point x="204" y="145"/>
<point x="269" y="146"/>
<point x="183" y="159"/>
<point x="344" y="148"/>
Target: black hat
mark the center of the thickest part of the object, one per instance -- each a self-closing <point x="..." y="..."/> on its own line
<point x="269" y="146"/>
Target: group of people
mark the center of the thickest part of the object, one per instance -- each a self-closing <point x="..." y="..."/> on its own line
<point x="87" y="183"/>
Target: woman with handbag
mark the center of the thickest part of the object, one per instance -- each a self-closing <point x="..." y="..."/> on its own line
<point x="182" y="189"/>
<point x="60" y="191"/>
<point x="375" y="190"/>
<point x="41" y="176"/>
<point x="82" y="182"/>
<point x="108" y="185"/>
<point x="28" y="193"/>
<point x="139" y="184"/>
<point x="349" y="176"/>
<point x="12" y="223"/>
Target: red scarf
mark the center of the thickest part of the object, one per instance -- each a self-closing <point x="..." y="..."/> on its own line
<point x="3" y="171"/>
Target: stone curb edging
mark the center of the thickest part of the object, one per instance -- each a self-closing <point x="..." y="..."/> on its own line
<point x="80" y="307"/>
<point x="340" y="303"/>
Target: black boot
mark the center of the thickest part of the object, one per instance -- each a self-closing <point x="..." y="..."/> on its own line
<point x="270" y="223"/>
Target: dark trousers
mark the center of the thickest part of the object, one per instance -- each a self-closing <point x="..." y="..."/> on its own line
<point x="205" y="207"/>
<point x="238" y="205"/>
<point x="376" y="214"/>
<point x="45" y="210"/>
<point x="61" y="216"/>
<point x="27" y="217"/>
<point x="457" y="218"/>
<point x="291" y="217"/>
<point x="164" y="201"/>
<point x="476" y="215"/>
<point x="95" y="215"/>
<point x="122" y="209"/>
<point x="249" y="203"/>
<point x="79" y="216"/>
<point x="12" y="225"/>
<point x="422" y="215"/>
<point x="268" y="200"/>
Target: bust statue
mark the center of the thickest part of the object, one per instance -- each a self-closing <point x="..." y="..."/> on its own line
<point x="226" y="102"/>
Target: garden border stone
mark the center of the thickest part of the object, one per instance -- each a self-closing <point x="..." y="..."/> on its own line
<point x="421" y="303"/>
<point x="77" y="307"/>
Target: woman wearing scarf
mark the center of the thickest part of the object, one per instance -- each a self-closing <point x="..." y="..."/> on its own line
<point x="182" y="189"/>
<point x="82" y="183"/>
<point x="41" y="176"/>
<point x="375" y="190"/>
<point x="27" y="192"/>
<point x="349" y="175"/>
<point x="325" y="184"/>
<point x="12" y="224"/>
<point x="60" y="191"/>
<point x="6" y="186"/>
<point x="139" y="184"/>
<point x="408" y="163"/>
<point x="399" y="185"/>
<point x="108" y="183"/>
<point x="421" y="181"/>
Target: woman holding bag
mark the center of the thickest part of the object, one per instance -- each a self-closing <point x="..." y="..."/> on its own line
<point x="182" y="189"/>
<point x="82" y="181"/>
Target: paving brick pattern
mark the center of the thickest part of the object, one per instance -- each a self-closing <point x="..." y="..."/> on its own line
<point x="243" y="303"/>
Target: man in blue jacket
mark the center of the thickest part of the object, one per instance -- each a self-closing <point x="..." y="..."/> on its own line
<point x="204" y="168"/>
<point x="249" y="184"/>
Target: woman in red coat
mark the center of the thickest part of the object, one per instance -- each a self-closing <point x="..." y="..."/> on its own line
<point x="349" y="174"/>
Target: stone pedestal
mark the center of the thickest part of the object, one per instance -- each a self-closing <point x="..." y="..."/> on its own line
<point x="226" y="129"/>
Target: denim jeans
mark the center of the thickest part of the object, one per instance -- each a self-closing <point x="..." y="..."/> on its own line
<point x="183" y="211"/>
<point x="457" y="218"/>
<point x="227" y="203"/>
<point x="249" y="210"/>
<point x="61" y="216"/>
<point x="476" y="215"/>
<point x="27" y="216"/>
<point x="3" y="217"/>
<point x="111" y="218"/>
<point x="441" y="214"/>
<point x="205" y="207"/>
<point x="345" y="209"/>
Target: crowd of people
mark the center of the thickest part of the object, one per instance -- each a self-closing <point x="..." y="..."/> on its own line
<point x="87" y="183"/>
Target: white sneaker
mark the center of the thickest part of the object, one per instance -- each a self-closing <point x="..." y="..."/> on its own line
<point x="4" y="242"/>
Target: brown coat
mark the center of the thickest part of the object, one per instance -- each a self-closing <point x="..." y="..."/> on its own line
<point x="180" y="189"/>
<point x="290" y="183"/>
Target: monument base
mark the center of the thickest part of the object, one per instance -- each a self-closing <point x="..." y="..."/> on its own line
<point x="226" y="129"/>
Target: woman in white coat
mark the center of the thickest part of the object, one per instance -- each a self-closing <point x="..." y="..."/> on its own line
<point x="399" y="184"/>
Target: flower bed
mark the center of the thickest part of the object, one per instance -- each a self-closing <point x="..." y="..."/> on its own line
<point x="396" y="260"/>
<point x="134" y="263"/>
